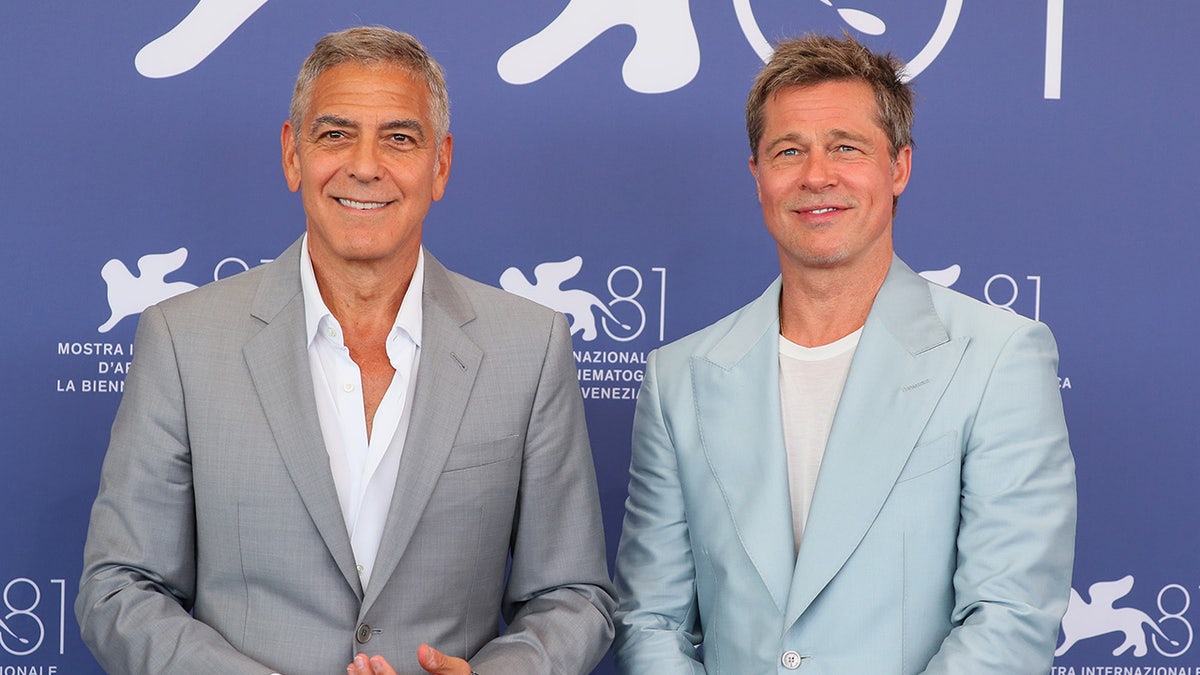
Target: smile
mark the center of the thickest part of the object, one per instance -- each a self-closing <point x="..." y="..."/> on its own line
<point x="362" y="206"/>
<point x="823" y="211"/>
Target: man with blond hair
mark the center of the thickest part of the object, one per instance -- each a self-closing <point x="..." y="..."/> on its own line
<point x="351" y="450"/>
<point x="859" y="471"/>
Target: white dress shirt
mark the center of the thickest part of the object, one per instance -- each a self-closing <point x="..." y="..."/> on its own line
<point x="364" y="469"/>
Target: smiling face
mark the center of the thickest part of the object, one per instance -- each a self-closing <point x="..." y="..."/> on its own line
<point x="826" y="179"/>
<point x="367" y="164"/>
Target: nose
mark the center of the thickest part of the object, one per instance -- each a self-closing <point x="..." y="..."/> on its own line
<point x="817" y="173"/>
<point x="364" y="164"/>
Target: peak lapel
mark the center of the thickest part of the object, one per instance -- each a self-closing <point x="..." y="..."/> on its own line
<point x="737" y="403"/>
<point x="449" y="364"/>
<point x="278" y="362"/>
<point x="900" y="370"/>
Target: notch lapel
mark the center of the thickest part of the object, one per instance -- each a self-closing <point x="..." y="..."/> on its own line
<point x="277" y="358"/>
<point x="736" y="386"/>
<point x="449" y="363"/>
<point x="900" y="370"/>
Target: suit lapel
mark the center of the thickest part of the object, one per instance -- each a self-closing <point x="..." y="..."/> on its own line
<point x="449" y="364"/>
<point x="737" y="399"/>
<point x="277" y="358"/>
<point x="902" y="366"/>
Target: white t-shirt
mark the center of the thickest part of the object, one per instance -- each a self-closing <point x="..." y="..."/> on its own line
<point x="810" y="385"/>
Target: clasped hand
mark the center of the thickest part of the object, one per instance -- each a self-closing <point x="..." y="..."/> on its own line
<point x="431" y="660"/>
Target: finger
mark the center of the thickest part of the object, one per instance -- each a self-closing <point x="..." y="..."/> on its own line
<point x="429" y="658"/>
<point x="360" y="666"/>
<point x="381" y="666"/>
<point x="437" y="663"/>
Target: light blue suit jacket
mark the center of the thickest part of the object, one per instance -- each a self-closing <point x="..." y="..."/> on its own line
<point x="941" y="534"/>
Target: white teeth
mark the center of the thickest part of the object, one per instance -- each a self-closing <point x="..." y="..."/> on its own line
<point x="822" y="211"/>
<point x="363" y="206"/>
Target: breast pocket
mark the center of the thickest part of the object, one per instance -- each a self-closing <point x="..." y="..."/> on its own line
<point x="930" y="456"/>
<point x="470" y="455"/>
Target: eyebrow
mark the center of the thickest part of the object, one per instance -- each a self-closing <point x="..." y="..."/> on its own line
<point x="411" y="125"/>
<point x="786" y="138"/>
<point x="332" y="121"/>
<point x="842" y="134"/>
<point x="832" y="135"/>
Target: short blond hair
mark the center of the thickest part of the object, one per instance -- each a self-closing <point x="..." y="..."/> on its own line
<point x="814" y="59"/>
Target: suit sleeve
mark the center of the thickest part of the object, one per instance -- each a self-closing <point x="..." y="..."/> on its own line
<point x="1016" y="537"/>
<point x="658" y="625"/>
<point x="558" y="601"/>
<point x="139" y="570"/>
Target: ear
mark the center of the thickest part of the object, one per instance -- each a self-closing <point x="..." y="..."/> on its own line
<point x="441" y="171"/>
<point x="291" y="158"/>
<point x="901" y="169"/>
<point x="753" y="164"/>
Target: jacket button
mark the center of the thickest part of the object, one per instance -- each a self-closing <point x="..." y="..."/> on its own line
<point x="791" y="659"/>
<point x="363" y="634"/>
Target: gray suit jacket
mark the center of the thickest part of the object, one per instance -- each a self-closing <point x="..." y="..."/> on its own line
<point x="217" y="544"/>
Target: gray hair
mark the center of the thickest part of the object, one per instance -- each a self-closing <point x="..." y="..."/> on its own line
<point x="373" y="45"/>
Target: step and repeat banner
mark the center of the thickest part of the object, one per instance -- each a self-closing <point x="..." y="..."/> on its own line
<point x="600" y="168"/>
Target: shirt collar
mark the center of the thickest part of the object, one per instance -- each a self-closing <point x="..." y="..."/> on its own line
<point x="408" y="320"/>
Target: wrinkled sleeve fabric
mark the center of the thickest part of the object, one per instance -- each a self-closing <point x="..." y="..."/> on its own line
<point x="1016" y="537"/>
<point x="658" y="620"/>
<point x="139" y="572"/>
<point x="559" y="601"/>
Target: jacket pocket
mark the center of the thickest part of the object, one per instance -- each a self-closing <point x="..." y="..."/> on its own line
<point x="930" y="456"/>
<point x="469" y="455"/>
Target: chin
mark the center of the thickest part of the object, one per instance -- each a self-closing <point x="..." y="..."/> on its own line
<point x="823" y="258"/>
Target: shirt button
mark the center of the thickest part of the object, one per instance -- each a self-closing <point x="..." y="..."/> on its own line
<point x="331" y="332"/>
<point x="791" y="659"/>
<point x="348" y="387"/>
<point x="360" y="568"/>
<point x="363" y="634"/>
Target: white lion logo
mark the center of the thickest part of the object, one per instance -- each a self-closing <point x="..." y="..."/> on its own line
<point x="183" y="47"/>
<point x="943" y="277"/>
<point x="1085" y="620"/>
<point x="129" y="295"/>
<point x="547" y="290"/>
<point x="665" y="57"/>
<point x="4" y="627"/>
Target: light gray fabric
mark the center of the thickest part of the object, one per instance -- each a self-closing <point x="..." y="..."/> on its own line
<point x="216" y="497"/>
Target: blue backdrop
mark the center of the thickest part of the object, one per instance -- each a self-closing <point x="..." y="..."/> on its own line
<point x="1054" y="174"/>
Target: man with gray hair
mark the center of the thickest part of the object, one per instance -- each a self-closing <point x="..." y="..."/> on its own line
<point x="350" y="450"/>
<point x="860" y="471"/>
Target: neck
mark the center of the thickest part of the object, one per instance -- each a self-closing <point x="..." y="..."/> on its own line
<point x="364" y="296"/>
<point x="820" y="306"/>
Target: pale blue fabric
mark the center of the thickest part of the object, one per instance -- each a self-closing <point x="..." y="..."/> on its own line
<point x="941" y="535"/>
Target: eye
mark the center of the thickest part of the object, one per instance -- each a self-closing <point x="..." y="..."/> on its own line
<point x="845" y="148"/>
<point x="401" y="138"/>
<point x="789" y="152"/>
